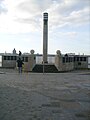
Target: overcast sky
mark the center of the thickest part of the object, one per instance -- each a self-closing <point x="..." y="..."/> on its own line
<point x="21" y="25"/>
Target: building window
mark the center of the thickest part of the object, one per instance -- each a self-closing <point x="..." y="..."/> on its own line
<point x="26" y="59"/>
<point x="8" y="57"/>
<point x="81" y="58"/>
<point x="84" y="58"/>
<point x="11" y="57"/>
<point x="77" y="58"/>
<point x="63" y="59"/>
<point x="4" y="57"/>
<point x="67" y="59"/>
<point x="70" y="59"/>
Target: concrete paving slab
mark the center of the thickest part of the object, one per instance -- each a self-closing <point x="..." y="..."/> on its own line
<point x="33" y="96"/>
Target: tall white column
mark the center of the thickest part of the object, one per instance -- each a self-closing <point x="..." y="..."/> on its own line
<point x="45" y="37"/>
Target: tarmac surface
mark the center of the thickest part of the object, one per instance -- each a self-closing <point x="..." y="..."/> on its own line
<point x="48" y="96"/>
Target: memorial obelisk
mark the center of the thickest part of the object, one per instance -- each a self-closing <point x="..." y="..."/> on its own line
<point x="45" y="37"/>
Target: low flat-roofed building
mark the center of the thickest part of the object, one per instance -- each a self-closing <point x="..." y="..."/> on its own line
<point x="62" y="62"/>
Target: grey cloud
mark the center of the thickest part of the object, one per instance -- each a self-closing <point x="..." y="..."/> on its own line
<point x="67" y="6"/>
<point x="28" y="20"/>
<point x="61" y="12"/>
<point x="2" y="7"/>
<point x="79" y="17"/>
<point x="34" y="21"/>
<point x="75" y="19"/>
<point x="73" y="13"/>
<point x="35" y="6"/>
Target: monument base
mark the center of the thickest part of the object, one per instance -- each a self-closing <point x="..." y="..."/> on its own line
<point x="47" y="68"/>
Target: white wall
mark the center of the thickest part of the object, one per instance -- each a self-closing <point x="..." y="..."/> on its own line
<point x="0" y="61"/>
<point x="88" y="62"/>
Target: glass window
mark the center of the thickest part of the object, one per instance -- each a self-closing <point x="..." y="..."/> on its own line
<point x="11" y="57"/>
<point x="26" y="59"/>
<point x="81" y="58"/>
<point x="4" y="57"/>
<point x="84" y="58"/>
<point x="77" y="58"/>
<point x="63" y="60"/>
<point x="74" y="59"/>
<point x="8" y="57"/>
<point x="67" y="59"/>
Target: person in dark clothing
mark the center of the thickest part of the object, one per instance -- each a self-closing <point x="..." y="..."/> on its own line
<point x="20" y="53"/>
<point x="19" y="64"/>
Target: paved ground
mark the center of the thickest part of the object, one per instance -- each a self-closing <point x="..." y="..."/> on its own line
<point x="33" y="96"/>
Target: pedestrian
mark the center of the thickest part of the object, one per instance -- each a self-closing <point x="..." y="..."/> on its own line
<point x="20" y="53"/>
<point x="19" y="65"/>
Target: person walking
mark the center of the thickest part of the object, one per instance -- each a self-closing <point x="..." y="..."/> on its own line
<point x="19" y="64"/>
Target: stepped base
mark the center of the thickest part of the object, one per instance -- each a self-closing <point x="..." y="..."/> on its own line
<point x="47" y="68"/>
